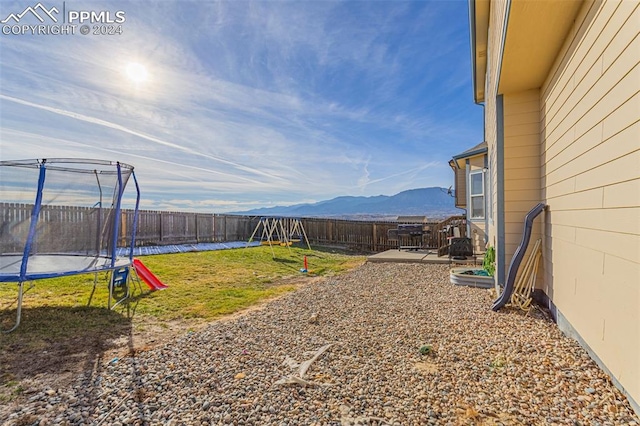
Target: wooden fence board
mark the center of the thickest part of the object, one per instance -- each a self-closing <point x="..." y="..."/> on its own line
<point x="74" y="228"/>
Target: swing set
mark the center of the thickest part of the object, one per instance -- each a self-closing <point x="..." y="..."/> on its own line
<point x="282" y="231"/>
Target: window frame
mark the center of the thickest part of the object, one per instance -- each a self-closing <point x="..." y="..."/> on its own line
<point x="480" y="195"/>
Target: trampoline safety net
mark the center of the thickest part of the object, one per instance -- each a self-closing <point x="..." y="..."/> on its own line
<point x="65" y="211"/>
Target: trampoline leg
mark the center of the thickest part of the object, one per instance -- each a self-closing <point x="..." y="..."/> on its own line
<point x="111" y="278"/>
<point x="19" y="308"/>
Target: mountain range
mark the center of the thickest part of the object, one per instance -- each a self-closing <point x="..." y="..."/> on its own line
<point x="432" y="202"/>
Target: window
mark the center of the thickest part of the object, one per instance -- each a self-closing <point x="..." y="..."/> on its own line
<point x="476" y="194"/>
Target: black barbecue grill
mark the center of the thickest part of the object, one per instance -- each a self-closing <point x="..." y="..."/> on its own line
<point x="408" y="235"/>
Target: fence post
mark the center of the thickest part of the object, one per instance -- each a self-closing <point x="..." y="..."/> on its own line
<point x="375" y="237"/>
<point x="330" y="230"/>
<point x="225" y="228"/>
<point x="123" y="228"/>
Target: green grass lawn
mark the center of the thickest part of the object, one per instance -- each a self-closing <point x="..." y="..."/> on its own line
<point x="202" y="286"/>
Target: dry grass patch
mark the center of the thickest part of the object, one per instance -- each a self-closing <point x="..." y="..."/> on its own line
<point x="60" y="334"/>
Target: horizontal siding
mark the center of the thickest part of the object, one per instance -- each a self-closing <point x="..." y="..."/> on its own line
<point x="532" y="195"/>
<point x="590" y="127"/>
<point x="526" y="173"/>
<point x="532" y="129"/>
<point x="564" y="232"/>
<point x="621" y="294"/>
<point x="623" y="246"/>
<point x="528" y="189"/>
<point x="519" y="206"/>
<point x="516" y="141"/>
<point x="497" y="15"/>
<point x="598" y="25"/>
<point x="491" y="137"/>
<point x="623" y="221"/>
<point x="524" y="151"/>
<point x="617" y="84"/>
<point x="590" y="199"/>
<point x="625" y="88"/>
<point x="622" y="169"/>
<point x="461" y="188"/>
<point x="521" y="166"/>
<point x="563" y="187"/>
<point x="622" y="194"/>
<point x="516" y="229"/>
<point x="477" y="236"/>
<point x="622" y="117"/>
<point x="610" y="92"/>
<point x="595" y="155"/>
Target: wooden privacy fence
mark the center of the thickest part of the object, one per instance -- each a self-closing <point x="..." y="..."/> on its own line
<point x="165" y="227"/>
<point x="60" y="229"/>
<point x="162" y="228"/>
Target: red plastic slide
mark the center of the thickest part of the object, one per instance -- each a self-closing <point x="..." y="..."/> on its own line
<point x="147" y="276"/>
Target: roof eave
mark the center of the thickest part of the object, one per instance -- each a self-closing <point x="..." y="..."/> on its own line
<point x="478" y="32"/>
<point x="470" y="154"/>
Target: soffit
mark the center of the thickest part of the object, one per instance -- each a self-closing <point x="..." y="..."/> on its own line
<point x="480" y="27"/>
<point x="536" y="31"/>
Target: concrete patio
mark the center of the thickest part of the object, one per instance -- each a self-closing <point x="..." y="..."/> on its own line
<point x="419" y="256"/>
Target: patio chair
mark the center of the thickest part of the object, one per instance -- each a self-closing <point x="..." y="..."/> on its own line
<point x="461" y="249"/>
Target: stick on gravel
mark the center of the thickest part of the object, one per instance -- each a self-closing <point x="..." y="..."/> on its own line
<point x="304" y="366"/>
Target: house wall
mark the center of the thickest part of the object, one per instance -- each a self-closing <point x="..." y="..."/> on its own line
<point x="574" y="144"/>
<point x="521" y="167"/>
<point x="461" y="187"/>
<point x="477" y="227"/>
<point x="477" y="235"/>
<point x="491" y="131"/>
<point x="497" y="15"/>
<point x="590" y="149"/>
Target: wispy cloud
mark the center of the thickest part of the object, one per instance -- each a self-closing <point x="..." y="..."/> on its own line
<point x="250" y="103"/>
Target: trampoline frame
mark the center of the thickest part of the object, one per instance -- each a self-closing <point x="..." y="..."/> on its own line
<point x="110" y="261"/>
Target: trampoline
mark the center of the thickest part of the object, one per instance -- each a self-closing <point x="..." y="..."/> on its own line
<point x="55" y="265"/>
<point x="63" y="217"/>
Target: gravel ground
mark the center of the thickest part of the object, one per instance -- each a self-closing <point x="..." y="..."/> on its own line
<point x="475" y="367"/>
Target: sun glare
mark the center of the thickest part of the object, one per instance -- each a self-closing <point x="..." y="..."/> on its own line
<point x="137" y="72"/>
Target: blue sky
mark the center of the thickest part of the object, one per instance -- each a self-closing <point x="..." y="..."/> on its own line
<point x="249" y="104"/>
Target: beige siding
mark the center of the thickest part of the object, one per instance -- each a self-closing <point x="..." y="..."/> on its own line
<point x="477" y="227"/>
<point x="461" y="187"/>
<point x="494" y="55"/>
<point x="491" y="136"/>
<point x="590" y="130"/>
<point x="477" y="236"/>
<point x="521" y="166"/>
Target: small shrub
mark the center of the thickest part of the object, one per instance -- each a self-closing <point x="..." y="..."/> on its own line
<point x="489" y="261"/>
<point x="426" y="350"/>
<point x="499" y="362"/>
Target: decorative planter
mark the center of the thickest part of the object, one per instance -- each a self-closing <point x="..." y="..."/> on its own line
<point x="459" y="277"/>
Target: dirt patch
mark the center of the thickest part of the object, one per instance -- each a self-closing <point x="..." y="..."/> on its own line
<point x="426" y="367"/>
<point x="30" y="362"/>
